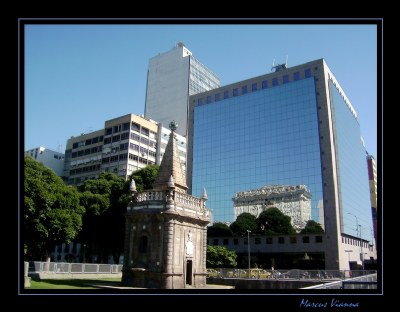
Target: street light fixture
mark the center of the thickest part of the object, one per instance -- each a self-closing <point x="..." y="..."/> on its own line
<point x="360" y="238"/>
<point x="248" y="248"/>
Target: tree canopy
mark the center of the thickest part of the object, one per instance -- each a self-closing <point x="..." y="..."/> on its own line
<point x="219" y="229"/>
<point x="52" y="210"/>
<point x="106" y="199"/>
<point x="312" y="227"/>
<point x="145" y="177"/>
<point x="220" y="257"/>
<point x="245" y="221"/>
<point x="272" y="221"/>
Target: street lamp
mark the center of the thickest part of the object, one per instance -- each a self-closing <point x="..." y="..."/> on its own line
<point x="357" y="226"/>
<point x="248" y="248"/>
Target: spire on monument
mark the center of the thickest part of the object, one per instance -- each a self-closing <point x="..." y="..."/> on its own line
<point x="171" y="165"/>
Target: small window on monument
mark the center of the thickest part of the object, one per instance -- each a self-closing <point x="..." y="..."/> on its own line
<point x="143" y="244"/>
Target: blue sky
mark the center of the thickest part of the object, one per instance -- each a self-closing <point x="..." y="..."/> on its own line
<point x="78" y="76"/>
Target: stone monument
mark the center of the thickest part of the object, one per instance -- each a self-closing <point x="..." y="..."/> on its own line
<point x="166" y="230"/>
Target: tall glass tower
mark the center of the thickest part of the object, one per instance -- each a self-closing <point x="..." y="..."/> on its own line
<point x="294" y="126"/>
<point x="171" y="78"/>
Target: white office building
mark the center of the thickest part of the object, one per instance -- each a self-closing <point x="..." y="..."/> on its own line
<point x="171" y="78"/>
<point x="51" y="159"/>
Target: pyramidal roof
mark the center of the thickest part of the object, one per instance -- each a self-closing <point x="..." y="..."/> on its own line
<point x="171" y="165"/>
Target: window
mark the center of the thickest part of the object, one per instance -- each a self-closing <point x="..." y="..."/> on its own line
<point x="107" y="141"/>
<point x="281" y="240"/>
<point x="235" y="241"/>
<point x="254" y="87"/>
<point x="215" y="241"/>
<point x="108" y="131"/>
<point x="75" y="145"/>
<point x="123" y="146"/>
<point x="306" y="239"/>
<point x="264" y="84"/>
<point x="285" y="78"/>
<point x="88" y="142"/>
<point x="95" y="140"/>
<point x="275" y="82"/>
<point x="268" y="240"/>
<point x="244" y="89"/>
<point x="257" y="241"/>
<point x="123" y="156"/>
<point x="235" y="92"/>
<point x="307" y="73"/>
<point x="135" y="126"/>
<point x="208" y="99"/>
<point x="226" y="241"/>
<point x="143" y="244"/>
<point x="117" y="129"/>
<point x="226" y="94"/>
<point x="217" y="97"/>
<point x="293" y="240"/>
<point x="318" y="239"/>
<point x="296" y="76"/>
<point x="116" y="138"/>
<point x="145" y="131"/>
<point x="124" y="135"/>
<point x="125" y="126"/>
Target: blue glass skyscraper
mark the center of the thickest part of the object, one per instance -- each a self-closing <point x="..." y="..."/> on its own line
<point x="294" y="126"/>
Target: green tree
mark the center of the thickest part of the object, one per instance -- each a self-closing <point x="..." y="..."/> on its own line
<point x="144" y="178"/>
<point x="219" y="229"/>
<point x="52" y="211"/>
<point x="272" y="221"/>
<point x="312" y="227"/>
<point x="245" y="221"/>
<point x="105" y="200"/>
<point x="220" y="257"/>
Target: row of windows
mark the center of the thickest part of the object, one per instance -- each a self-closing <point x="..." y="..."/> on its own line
<point x="125" y="127"/>
<point x="355" y="242"/>
<point x="268" y="240"/>
<point x="87" y="151"/>
<point x="84" y="169"/>
<point x="254" y="87"/>
<point x="88" y="142"/>
<point x="134" y="136"/>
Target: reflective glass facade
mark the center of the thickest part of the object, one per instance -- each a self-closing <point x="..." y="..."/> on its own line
<point x="354" y="197"/>
<point x="266" y="137"/>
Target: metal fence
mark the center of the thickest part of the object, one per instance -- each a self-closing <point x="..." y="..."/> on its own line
<point x="74" y="268"/>
<point x="361" y="282"/>
<point x="323" y="275"/>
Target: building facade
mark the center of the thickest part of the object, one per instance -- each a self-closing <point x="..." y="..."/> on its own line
<point x="125" y="144"/>
<point x="294" y="126"/>
<point x="373" y="188"/>
<point x="51" y="159"/>
<point x="292" y="200"/>
<point x="171" y="78"/>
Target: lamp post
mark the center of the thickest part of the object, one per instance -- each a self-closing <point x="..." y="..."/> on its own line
<point x="248" y="248"/>
<point x="360" y="239"/>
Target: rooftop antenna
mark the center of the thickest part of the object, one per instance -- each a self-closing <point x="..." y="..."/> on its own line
<point x="279" y="67"/>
